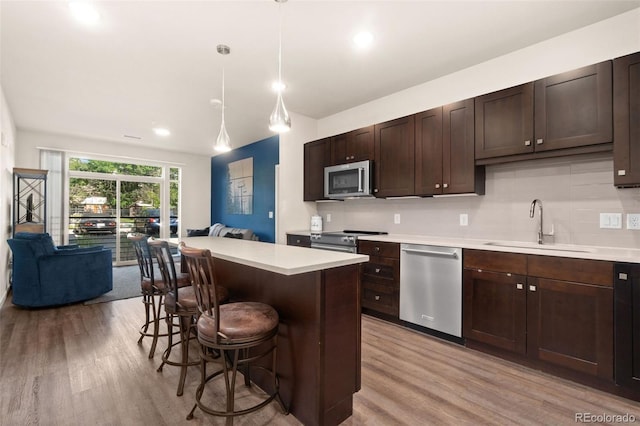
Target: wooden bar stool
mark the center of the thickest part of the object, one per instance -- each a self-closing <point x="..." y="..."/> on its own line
<point x="235" y="334"/>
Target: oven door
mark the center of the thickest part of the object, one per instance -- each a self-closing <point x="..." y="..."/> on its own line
<point x="334" y="247"/>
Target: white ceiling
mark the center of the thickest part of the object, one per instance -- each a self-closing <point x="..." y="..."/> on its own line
<point x="155" y="63"/>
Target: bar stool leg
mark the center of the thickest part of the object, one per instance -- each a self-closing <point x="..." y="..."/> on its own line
<point x="145" y="327"/>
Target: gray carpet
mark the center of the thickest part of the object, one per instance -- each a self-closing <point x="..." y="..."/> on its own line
<point x="126" y="284"/>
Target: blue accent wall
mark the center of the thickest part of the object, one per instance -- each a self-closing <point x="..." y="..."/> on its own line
<point x="265" y="155"/>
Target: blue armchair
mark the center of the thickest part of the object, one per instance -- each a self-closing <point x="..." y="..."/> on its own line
<point x="46" y="275"/>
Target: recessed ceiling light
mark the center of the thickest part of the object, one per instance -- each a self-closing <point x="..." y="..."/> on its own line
<point x="278" y="86"/>
<point x="84" y="12"/>
<point x="363" y="39"/>
<point x="160" y="131"/>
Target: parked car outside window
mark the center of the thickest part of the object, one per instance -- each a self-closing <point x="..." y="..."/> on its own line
<point x="152" y="226"/>
<point x="96" y="225"/>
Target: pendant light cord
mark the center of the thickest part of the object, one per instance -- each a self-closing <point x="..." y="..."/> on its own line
<point x="280" y="46"/>
<point x="223" y="63"/>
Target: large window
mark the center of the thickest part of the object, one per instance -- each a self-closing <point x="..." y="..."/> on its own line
<point x="108" y="200"/>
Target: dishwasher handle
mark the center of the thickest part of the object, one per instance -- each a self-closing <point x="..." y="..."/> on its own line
<point x="453" y="255"/>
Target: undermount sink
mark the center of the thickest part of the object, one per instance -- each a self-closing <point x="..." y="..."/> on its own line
<point x="538" y="247"/>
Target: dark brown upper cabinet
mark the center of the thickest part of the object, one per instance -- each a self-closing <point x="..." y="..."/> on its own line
<point x="444" y="151"/>
<point x="626" y="108"/>
<point x="394" y="158"/>
<point x="317" y="155"/>
<point x="459" y="174"/>
<point x="356" y="145"/>
<point x="568" y="113"/>
<point x="504" y="122"/>
<point x="428" y="149"/>
<point x="574" y="108"/>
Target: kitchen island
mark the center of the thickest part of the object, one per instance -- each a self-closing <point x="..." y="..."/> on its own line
<point x="317" y="296"/>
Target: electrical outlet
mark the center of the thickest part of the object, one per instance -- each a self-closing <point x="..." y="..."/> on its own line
<point x="328" y="217"/>
<point x="396" y="218"/>
<point x="464" y="219"/>
<point x="633" y="221"/>
<point x="611" y="220"/>
<point x="270" y="215"/>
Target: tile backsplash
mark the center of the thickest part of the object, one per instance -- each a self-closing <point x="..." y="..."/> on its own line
<point x="573" y="190"/>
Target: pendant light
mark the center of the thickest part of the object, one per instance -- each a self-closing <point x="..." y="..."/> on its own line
<point x="223" y="143"/>
<point x="280" y="121"/>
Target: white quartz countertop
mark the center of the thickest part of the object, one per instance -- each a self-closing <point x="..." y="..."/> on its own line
<point x="279" y="258"/>
<point x="561" y="250"/>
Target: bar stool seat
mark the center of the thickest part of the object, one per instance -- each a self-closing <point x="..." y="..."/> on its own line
<point x="240" y="321"/>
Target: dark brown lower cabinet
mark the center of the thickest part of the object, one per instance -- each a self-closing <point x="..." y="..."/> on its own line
<point x="571" y="325"/>
<point x="495" y="309"/>
<point x="627" y="325"/>
<point x="381" y="279"/>
<point x="547" y="320"/>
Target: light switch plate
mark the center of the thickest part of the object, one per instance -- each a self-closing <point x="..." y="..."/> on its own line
<point x="611" y="220"/>
<point x="633" y="221"/>
<point x="396" y="218"/>
<point x="328" y="217"/>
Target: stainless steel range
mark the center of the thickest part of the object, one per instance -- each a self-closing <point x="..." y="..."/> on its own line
<point x="344" y="241"/>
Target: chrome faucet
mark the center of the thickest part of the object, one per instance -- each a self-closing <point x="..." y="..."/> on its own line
<point x="532" y="212"/>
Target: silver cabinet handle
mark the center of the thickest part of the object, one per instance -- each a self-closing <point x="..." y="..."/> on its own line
<point x="622" y="276"/>
<point x="539" y="141"/>
<point x="622" y="172"/>
<point x="519" y="286"/>
<point x="433" y="253"/>
<point x="532" y="288"/>
<point x="437" y="185"/>
<point x="377" y="297"/>
<point x="445" y="185"/>
<point x="377" y="270"/>
<point x="527" y="143"/>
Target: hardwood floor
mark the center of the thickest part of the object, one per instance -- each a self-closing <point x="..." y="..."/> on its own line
<point x="80" y="365"/>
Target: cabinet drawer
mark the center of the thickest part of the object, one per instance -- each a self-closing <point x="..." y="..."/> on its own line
<point x="376" y="248"/>
<point x="585" y="271"/>
<point x="380" y="297"/>
<point x="496" y="261"/>
<point x="381" y="267"/>
<point x="298" y="240"/>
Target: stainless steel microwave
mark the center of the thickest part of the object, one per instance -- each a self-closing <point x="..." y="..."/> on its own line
<point x="348" y="180"/>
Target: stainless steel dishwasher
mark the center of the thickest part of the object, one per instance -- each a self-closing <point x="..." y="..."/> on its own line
<point x="431" y="287"/>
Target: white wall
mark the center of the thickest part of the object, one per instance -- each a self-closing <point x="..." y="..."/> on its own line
<point x="574" y="190"/>
<point x="196" y="170"/>
<point x="604" y="40"/>
<point x="7" y="161"/>
<point x="292" y="212"/>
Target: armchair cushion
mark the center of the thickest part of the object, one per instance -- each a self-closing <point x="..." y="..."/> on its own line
<point x="44" y="275"/>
